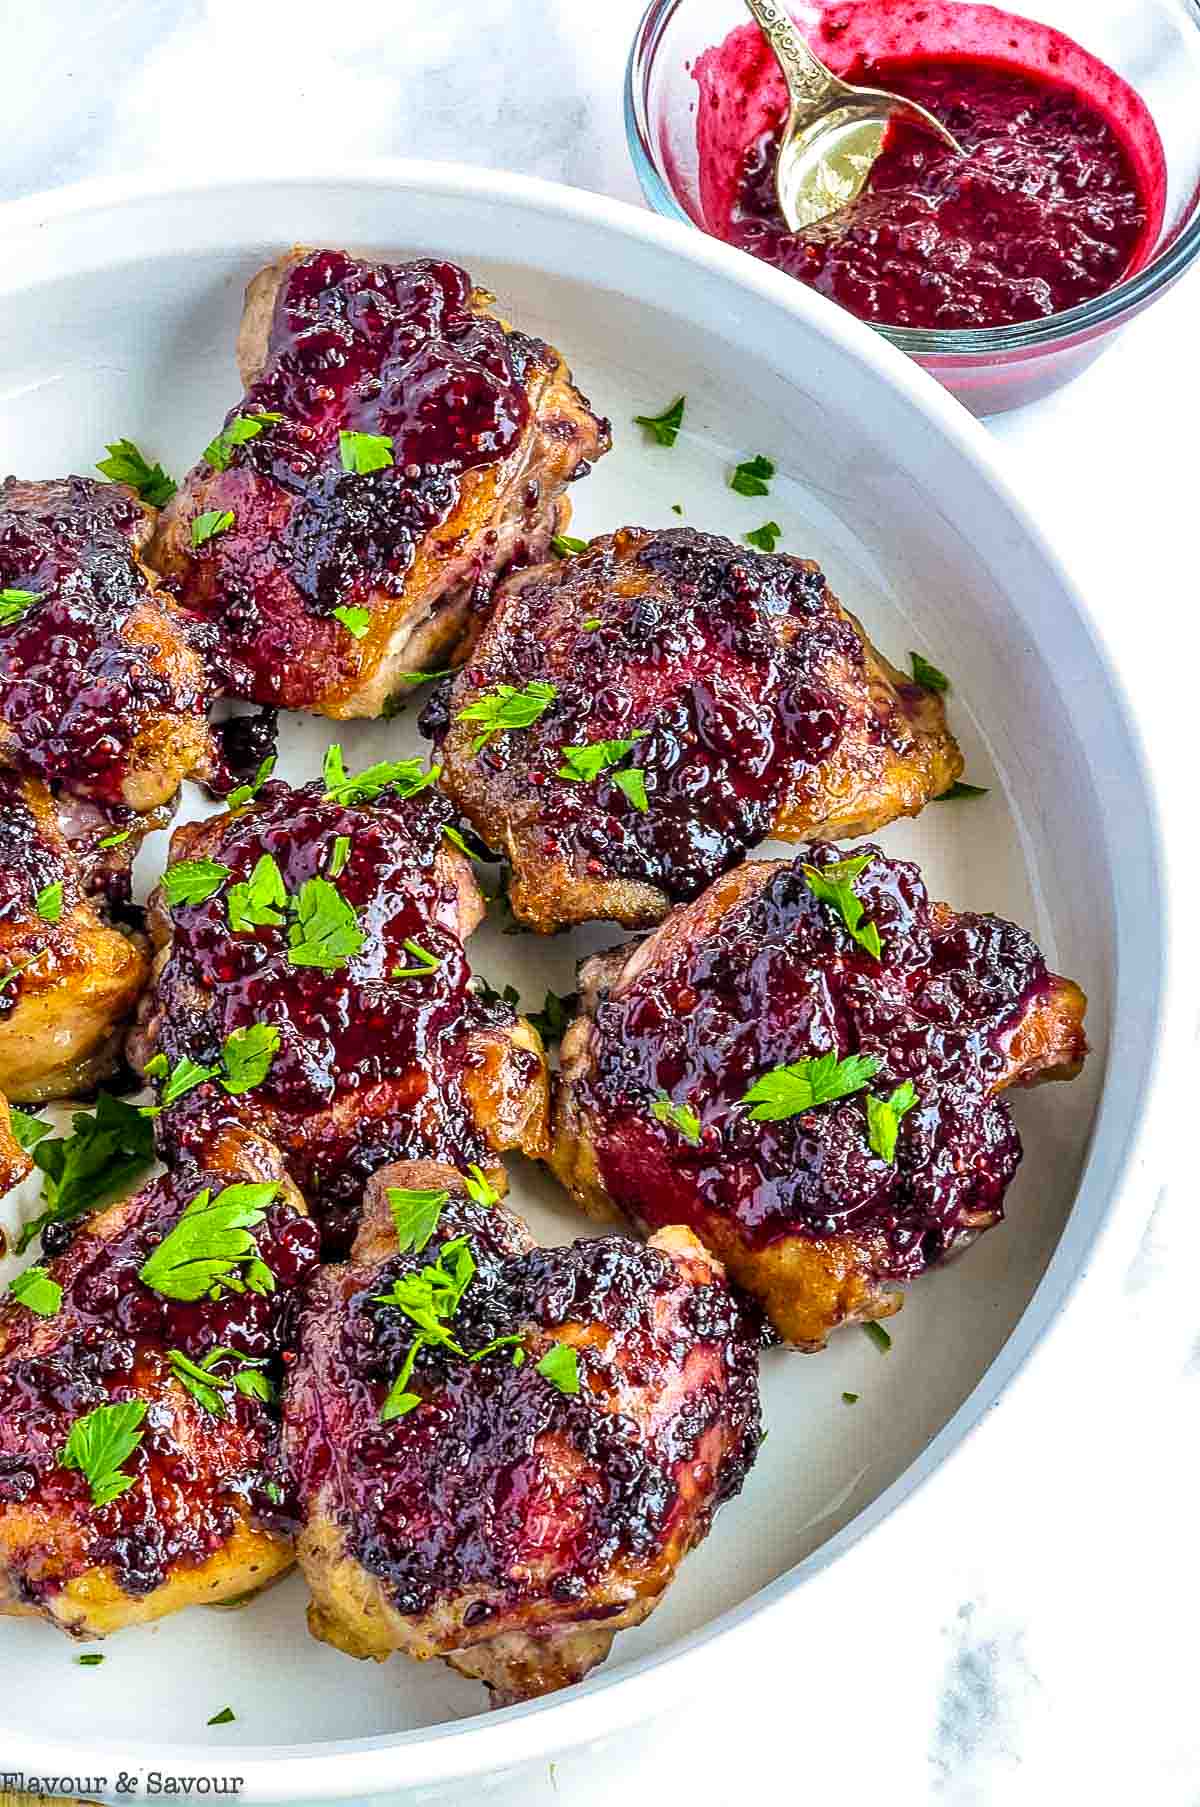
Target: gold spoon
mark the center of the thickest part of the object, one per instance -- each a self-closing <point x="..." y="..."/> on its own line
<point x="834" y="131"/>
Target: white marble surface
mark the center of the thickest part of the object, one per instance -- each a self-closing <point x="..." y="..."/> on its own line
<point x="1023" y="1631"/>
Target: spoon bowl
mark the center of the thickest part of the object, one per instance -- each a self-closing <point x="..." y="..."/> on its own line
<point x="834" y="130"/>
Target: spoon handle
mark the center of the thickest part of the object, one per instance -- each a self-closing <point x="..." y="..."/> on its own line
<point x="809" y="82"/>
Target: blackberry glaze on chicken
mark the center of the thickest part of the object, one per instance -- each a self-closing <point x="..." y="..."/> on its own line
<point x="369" y="1066"/>
<point x="729" y="685"/>
<point x="69" y="980"/>
<point x="196" y="1511"/>
<point x="474" y="430"/>
<point x="801" y="1199"/>
<point x="497" y="1520"/>
<point x="104" y="687"/>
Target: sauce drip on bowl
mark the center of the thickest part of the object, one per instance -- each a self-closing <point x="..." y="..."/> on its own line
<point x="1059" y="197"/>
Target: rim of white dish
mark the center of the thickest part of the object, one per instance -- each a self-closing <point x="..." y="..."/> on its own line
<point x="384" y="1764"/>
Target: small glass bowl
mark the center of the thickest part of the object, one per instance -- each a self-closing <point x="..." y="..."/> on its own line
<point x="1153" y="44"/>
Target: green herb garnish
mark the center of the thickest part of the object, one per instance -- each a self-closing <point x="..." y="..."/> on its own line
<point x="850" y="1398"/>
<point x="878" y="1336"/>
<point x="106" y="1152"/>
<point x="633" y="784"/>
<point x="560" y="1366"/>
<point x="15" y="605"/>
<point x="210" y="524"/>
<point x="426" y="962"/>
<point x="90" y="1660"/>
<point x="242" y="427"/>
<point x="677" y="1116"/>
<point x="479" y="1187"/>
<point x="424" y="677"/>
<point x="592" y="623"/>
<point x="456" y="840"/>
<point x="180" y="1080"/>
<point x="339" y="856"/>
<point x="582" y="764"/>
<point x="926" y="675"/>
<point x="211" y="1251"/>
<point x="209" y="1388"/>
<point x="834" y="885"/>
<point x="49" y="902"/>
<point x="27" y="1131"/>
<point x="752" y="477"/>
<point x="960" y="791"/>
<point x="565" y="545"/>
<point x="786" y="1091"/>
<point x="505" y="707"/>
<point x="100" y="1442"/>
<point x="429" y="1301"/>
<point x="415" y="1213"/>
<point x="357" y="622"/>
<point x="225" y="1717"/>
<point x="665" y="426"/>
<point x="766" y="536"/>
<point x="552" y="1019"/>
<point x="37" y="1291"/>
<point x="325" y="933"/>
<point x="883" y="1120"/>
<point x="245" y="793"/>
<point x="116" y="840"/>
<point x="193" y="881"/>
<point x="125" y="464"/>
<point x="247" y="1056"/>
<point x="408" y="776"/>
<point x="365" y="452"/>
<point x="258" y="901"/>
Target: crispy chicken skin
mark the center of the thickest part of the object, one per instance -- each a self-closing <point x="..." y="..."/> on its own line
<point x="380" y="1054"/>
<point x="204" y="1517"/>
<point x="104" y="688"/>
<point x="755" y="705"/>
<point x="70" y="981"/>
<point x="808" y="1212"/>
<point x="499" y="1522"/>
<point x="485" y="429"/>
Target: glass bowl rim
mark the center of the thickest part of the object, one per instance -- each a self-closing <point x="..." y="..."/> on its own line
<point x="1087" y="318"/>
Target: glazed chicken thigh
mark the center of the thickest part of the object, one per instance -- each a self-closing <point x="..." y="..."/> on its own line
<point x="139" y="1435"/>
<point x="104" y="688"/>
<point x="804" y="1066"/>
<point x="635" y="718"/>
<point x="68" y="979"/>
<point x="511" y="1495"/>
<point x="311" y="975"/>
<point x="396" y="448"/>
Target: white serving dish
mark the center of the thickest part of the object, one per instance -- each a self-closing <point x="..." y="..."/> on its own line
<point x="119" y="310"/>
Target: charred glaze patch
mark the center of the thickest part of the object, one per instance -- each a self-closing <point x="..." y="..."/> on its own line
<point x="778" y="979"/>
<point x="499" y="1480"/>
<point x="370" y="1068"/>
<point x="361" y="347"/>
<point x="109" y="1344"/>
<point x="720" y="658"/>
<point x="75" y="689"/>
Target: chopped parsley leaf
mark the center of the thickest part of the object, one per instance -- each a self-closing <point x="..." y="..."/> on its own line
<point x="834" y="885"/>
<point x="246" y="792"/>
<point x="879" y="1336"/>
<point x="49" y="902"/>
<point x="27" y="1130"/>
<point x="339" y="856"/>
<point x="582" y="764"/>
<point x="479" y="1187"/>
<point x="766" y="536"/>
<point x="211" y="1251"/>
<point x="356" y="622"/>
<point x="424" y="677"/>
<point x="193" y="881"/>
<point x="633" y="783"/>
<point x="416" y="1213"/>
<point x="365" y="452"/>
<point x="257" y="902"/>
<point x="247" y="1056"/>
<point x="225" y="1717"/>
<point x="883" y="1119"/>
<point x="37" y="1291"/>
<point x="677" y="1116"/>
<point x="565" y="544"/>
<point x="181" y="1080"/>
<point x="219" y="452"/>
<point x="926" y="675"/>
<point x="552" y="1019"/>
<point x="850" y="1398"/>
<point x="664" y="427"/>
<point x="91" y="1659"/>
<point x="752" y="477"/>
<point x="15" y="605"/>
<point x="107" y="1151"/>
<point x="592" y="623"/>
<point x="407" y="775"/>
<point x="325" y="933"/>
<point x="125" y="464"/>
<point x="560" y="1366"/>
<point x="100" y="1442"/>
<point x="209" y="1388"/>
<point x="210" y="524"/>
<point x="426" y="962"/>
<point x="116" y="840"/>
<point x="505" y="707"/>
<point x="786" y="1091"/>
